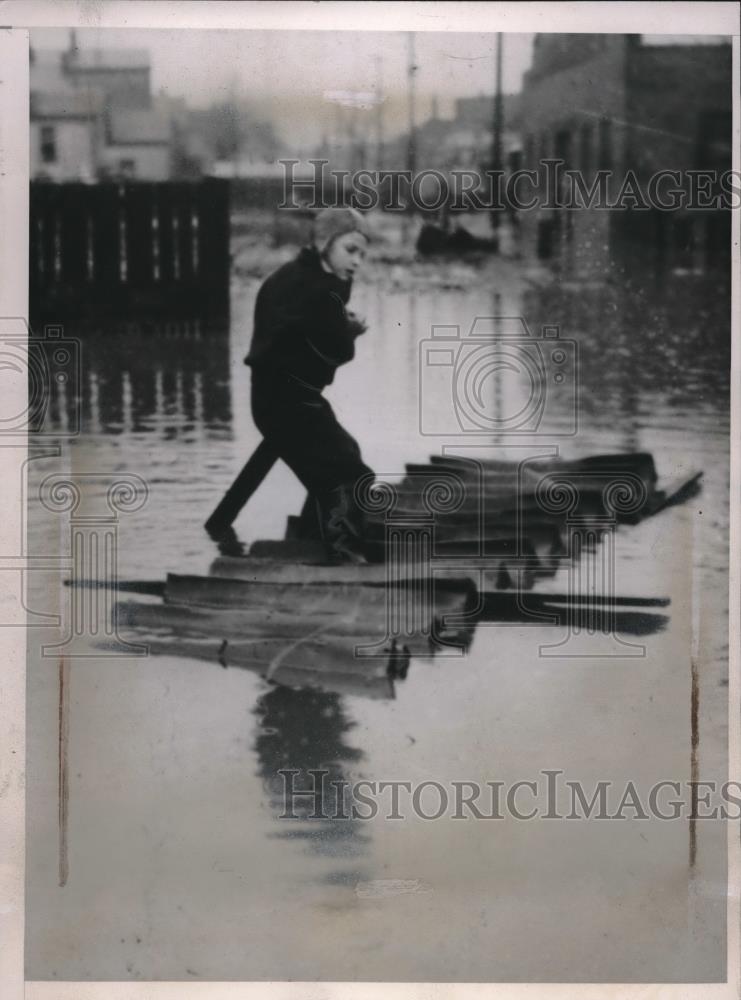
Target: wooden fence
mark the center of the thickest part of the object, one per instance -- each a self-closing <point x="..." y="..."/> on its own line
<point x="130" y="249"/>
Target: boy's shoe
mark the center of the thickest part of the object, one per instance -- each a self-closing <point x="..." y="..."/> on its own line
<point x="227" y="542"/>
<point x="340" y="532"/>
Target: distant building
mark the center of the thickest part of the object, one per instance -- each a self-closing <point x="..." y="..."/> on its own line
<point x="122" y="76"/>
<point x="92" y="116"/>
<point x="66" y="133"/>
<point x="137" y="144"/>
<point x="620" y="103"/>
<point x="461" y="142"/>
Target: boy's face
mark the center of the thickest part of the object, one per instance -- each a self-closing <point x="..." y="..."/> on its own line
<point x="346" y="254"/>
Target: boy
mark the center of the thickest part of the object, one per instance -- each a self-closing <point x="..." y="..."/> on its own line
<point x="302" y="333"/>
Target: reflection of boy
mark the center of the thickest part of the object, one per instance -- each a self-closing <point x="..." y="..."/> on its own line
<point x="302" y="334"/>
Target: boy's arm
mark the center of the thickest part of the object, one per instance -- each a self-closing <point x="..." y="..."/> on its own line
<point x="332" y="330"/>
<point x="355" y="325"/>
<point x="279" y="319"/>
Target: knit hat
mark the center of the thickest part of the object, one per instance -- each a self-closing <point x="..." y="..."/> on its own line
<point x="333" y="222"/>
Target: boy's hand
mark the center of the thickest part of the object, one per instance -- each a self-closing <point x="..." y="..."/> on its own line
<point x="355" y="325"/>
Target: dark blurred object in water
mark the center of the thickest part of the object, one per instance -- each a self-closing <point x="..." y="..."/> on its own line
<point x="434" y="241"/>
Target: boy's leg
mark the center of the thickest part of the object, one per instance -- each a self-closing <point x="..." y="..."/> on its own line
<point x="303" y="429"/>
<point x="308" y="520"/>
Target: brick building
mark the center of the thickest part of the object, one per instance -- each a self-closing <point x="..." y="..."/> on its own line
<point x="621" y="103"/>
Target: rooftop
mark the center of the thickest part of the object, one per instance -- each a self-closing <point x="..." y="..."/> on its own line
<point x="66" y="104"/>
<point x="46" y="71"/>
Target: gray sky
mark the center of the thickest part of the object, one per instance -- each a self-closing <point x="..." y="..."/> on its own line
<point x="297" y="79"/>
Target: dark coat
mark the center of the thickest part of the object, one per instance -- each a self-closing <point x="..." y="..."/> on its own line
<point x="301" y="325"/>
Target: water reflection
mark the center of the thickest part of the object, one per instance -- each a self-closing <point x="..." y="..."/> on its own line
<point x="166" y="380"/>
<point x="654" y="377"/>
<point x="300" y="732"/>
<point x="638" y="339"/>
<point x="634" y="341"/>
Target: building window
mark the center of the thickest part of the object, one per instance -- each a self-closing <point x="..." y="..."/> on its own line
<point x="585" y="152"/>
<point x="605" y="144"/>
<point x="48" y="144"/>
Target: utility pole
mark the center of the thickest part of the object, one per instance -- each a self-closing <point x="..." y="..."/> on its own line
<point x="412" y="148"/>
<point x="498" y="124"/>
<point x="352" y="145"/>
<point x="235" y="140"/>
<point x="379" y="113"/>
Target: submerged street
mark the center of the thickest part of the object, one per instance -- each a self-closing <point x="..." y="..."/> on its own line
<point x="199" y="889"/>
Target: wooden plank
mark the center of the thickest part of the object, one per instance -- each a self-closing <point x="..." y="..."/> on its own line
<point x="269" y="571"/>
<point x="466" y="557"/>
<point x="233" y="623"/>
<point x="290" y="550"/>
<point x="73" y="221"/>
<point x="508" y="486"/>
<point x="162" y="196"/>
<point x="106" y="206"/>
<point x="300" y="599"/>
<point x="641" y="463"/>
<point x="138" y="208"/>
<point x="373" y="683"/>
<point x="676" y="492"/>
<point x="212" y="232"/>
<point x="379" y="687"/>
<point x="50" y="231"/>
<point x="36" y="220"/>
<point x="161" y="620"/>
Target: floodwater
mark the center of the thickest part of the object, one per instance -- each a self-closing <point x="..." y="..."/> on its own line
<point x="178" y="866"/>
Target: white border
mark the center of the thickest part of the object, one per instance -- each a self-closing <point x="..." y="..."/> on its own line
<point x="335" y="15"/>
<point x="734" y="582"/>
<point x="14" y="164"/>
<point x="651" y="18"/>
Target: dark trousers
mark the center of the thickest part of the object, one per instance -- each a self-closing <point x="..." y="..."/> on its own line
<point x="301" y="426"/>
